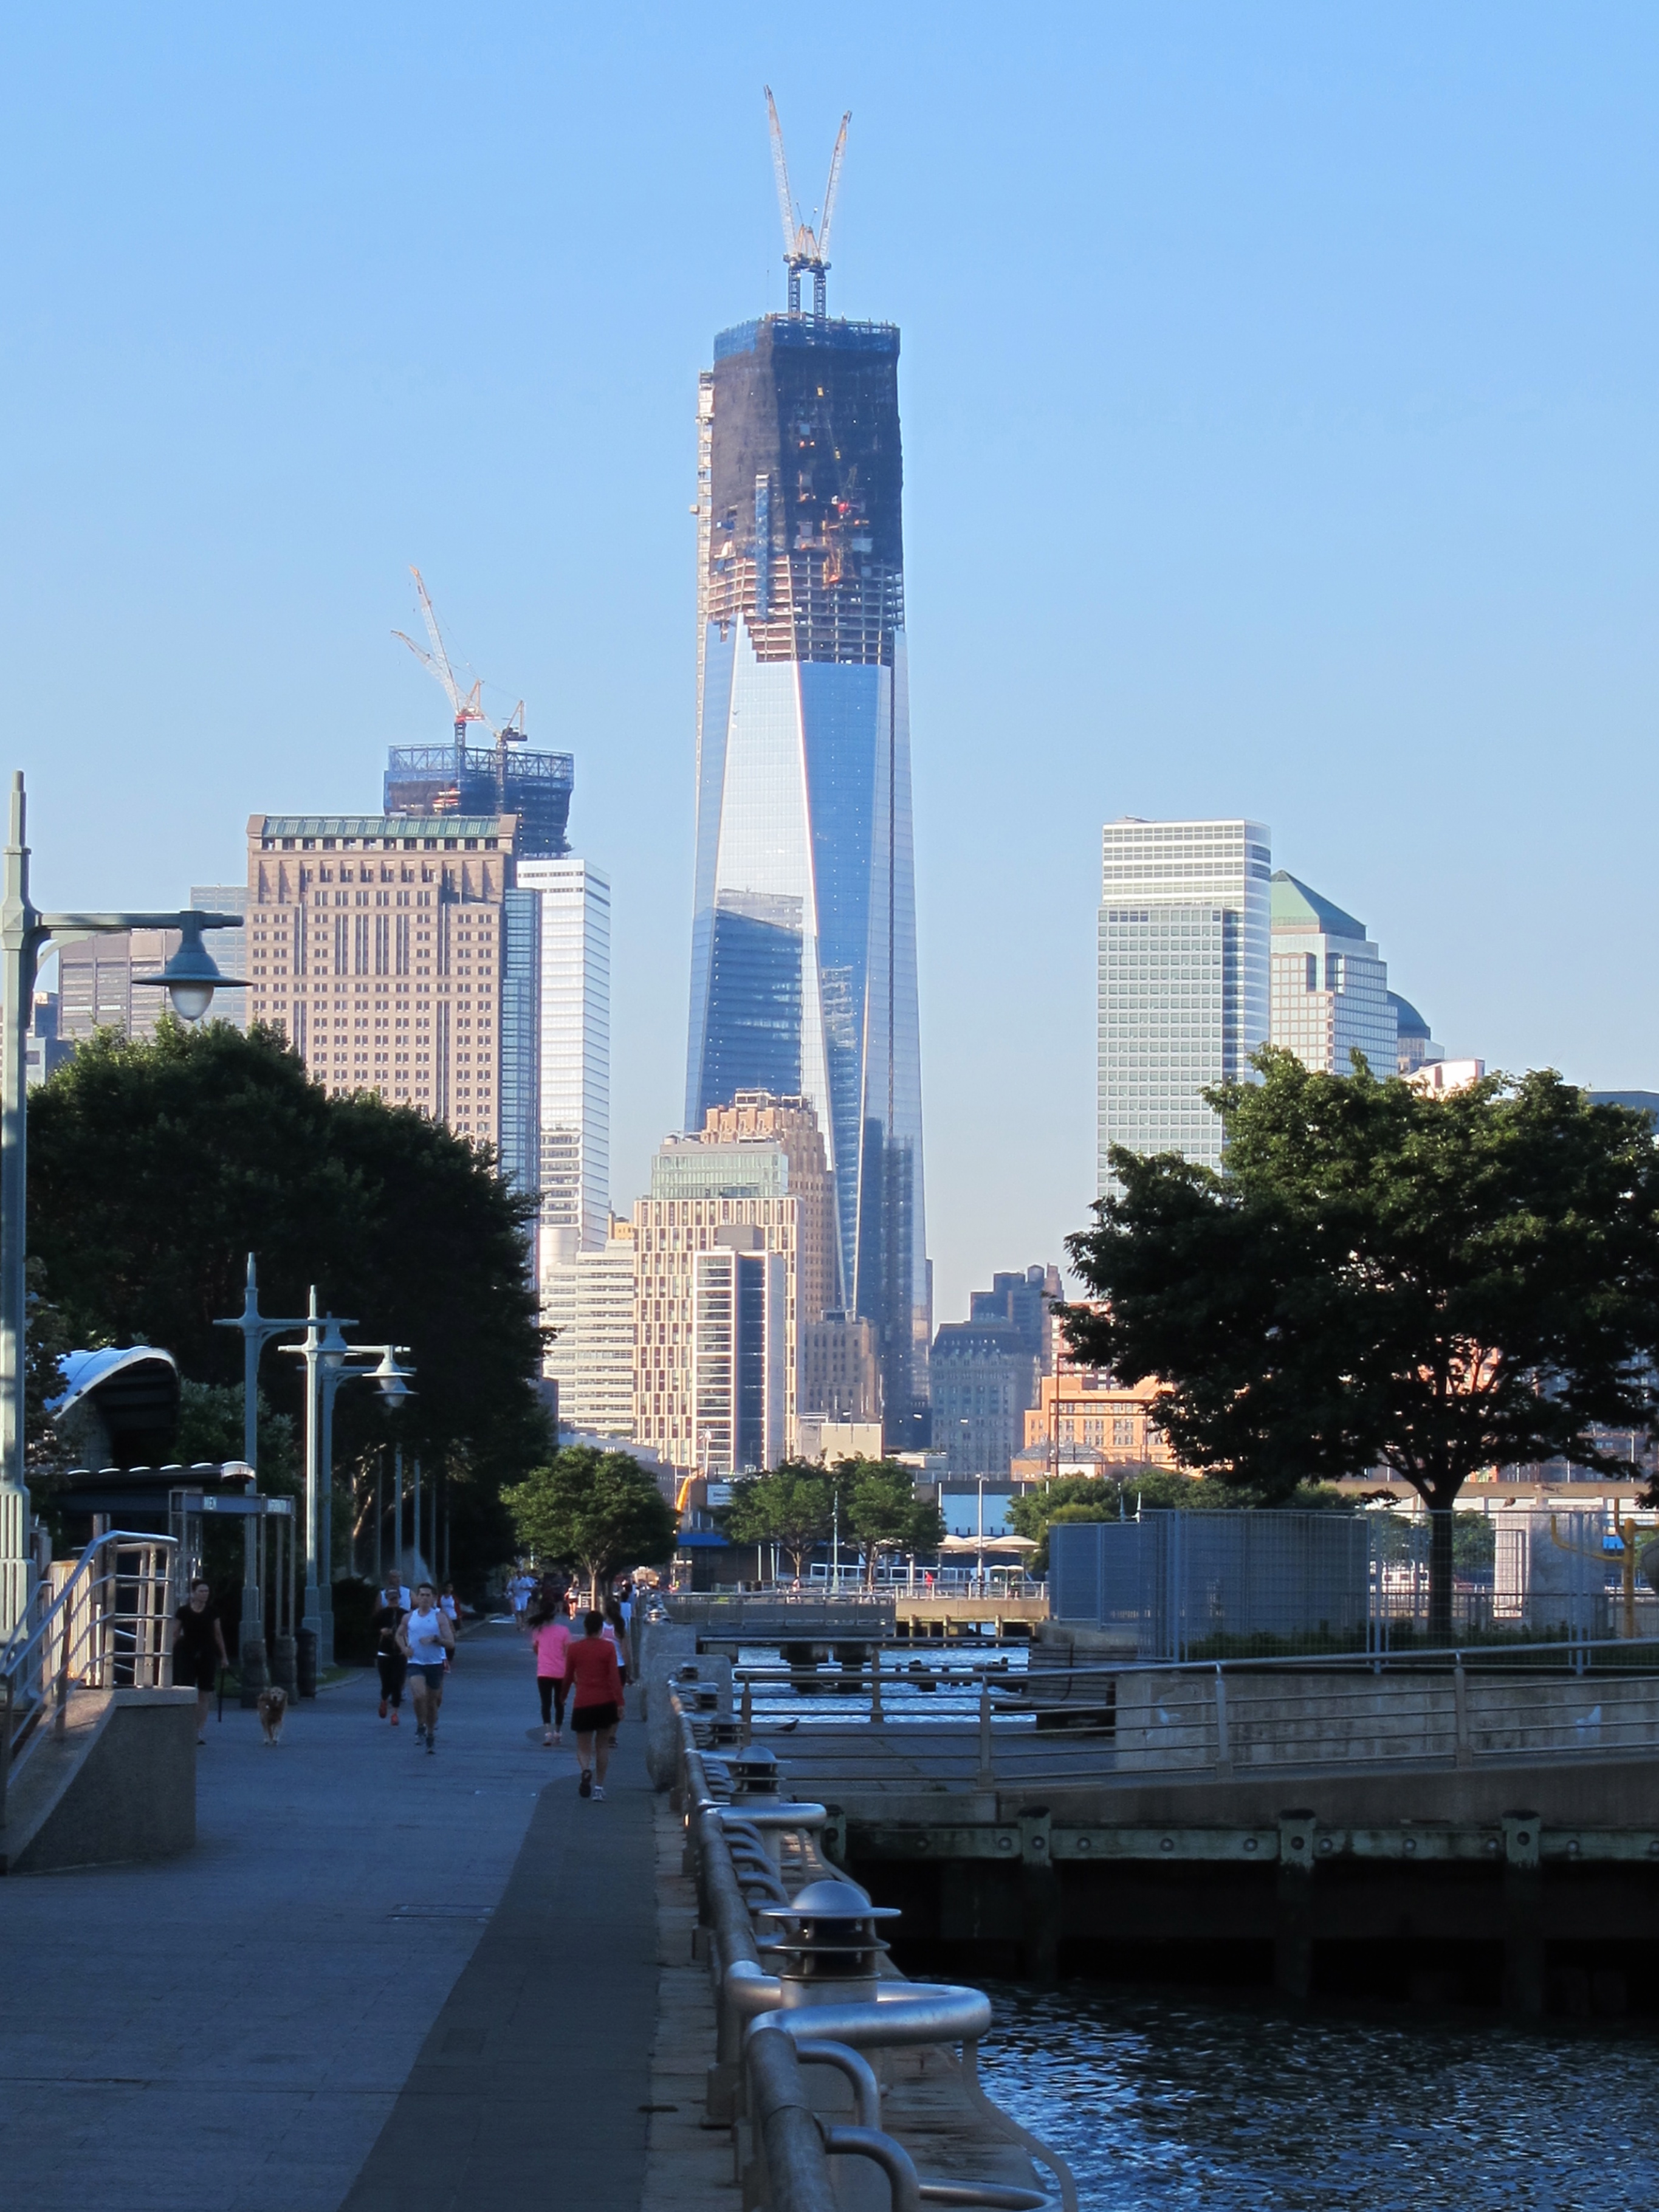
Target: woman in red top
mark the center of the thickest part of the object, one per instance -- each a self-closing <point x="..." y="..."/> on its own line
<point x="596" y="1701"/>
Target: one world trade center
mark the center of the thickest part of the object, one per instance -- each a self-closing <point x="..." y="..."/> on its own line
<point x="803" y="941"/>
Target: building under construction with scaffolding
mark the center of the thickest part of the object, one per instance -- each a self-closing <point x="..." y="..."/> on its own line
<point x="461" y="779"/>
<point x="804" y="950"/>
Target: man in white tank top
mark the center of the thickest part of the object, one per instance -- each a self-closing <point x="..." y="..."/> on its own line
<point x="427" y="1639"/>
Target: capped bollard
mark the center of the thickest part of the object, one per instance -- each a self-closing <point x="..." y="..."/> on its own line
<point x="830" y="1950"/>
<point x="756" y="1772"/>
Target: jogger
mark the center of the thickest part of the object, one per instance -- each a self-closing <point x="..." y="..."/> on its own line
<point x="425" y="1638"/>
<point x="392" y="1665"/>
<point x="596" y="1702"/>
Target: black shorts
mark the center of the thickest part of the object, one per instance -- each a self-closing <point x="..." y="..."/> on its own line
<point x="200" y="1673"/>
<point x="591" y="1719"/>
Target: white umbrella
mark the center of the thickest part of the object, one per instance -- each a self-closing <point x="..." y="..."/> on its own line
<point x="987" y="1544"/>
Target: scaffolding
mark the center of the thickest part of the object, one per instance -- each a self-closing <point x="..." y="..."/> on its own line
<point x="461" y="779"/>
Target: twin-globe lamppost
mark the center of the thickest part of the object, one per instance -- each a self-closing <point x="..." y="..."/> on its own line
<point x="325" y="1353"/>
<point x="190" y="978"/>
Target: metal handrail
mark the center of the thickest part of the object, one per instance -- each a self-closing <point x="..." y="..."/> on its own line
<point x="37" y="1679"/>
<point x="763" y="2046"/>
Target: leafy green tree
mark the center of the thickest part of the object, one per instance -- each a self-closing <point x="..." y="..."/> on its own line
<point x="210" y="1427"/>
<point x="790" y="1507"/>
<point x="155" y="1168"/>
<point x="883" y="1512"/>
<point x="1379" y="1276"/>
<point x="596" y="1511"/>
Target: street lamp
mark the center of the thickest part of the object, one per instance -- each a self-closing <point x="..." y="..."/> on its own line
<point x="257" y="1329"/>
<point x="325" y="1353"/>
<point x="25" y="931"/>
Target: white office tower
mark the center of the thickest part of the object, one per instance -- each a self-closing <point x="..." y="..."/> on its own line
<point x="575" y="1058"/>
<point x="1330" y="986"/>
<point x="1183" y="979"/>
<point x="589" y="1300"/>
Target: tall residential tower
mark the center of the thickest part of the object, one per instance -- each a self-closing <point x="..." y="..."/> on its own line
<point x="804" y="947"/>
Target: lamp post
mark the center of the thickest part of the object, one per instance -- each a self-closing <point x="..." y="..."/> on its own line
<point x="257" y="1329"/>
<point x="190" y="978"/>
<point x="325" y="1353"/>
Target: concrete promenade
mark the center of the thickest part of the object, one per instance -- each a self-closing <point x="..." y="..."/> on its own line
<point x="379" y="1976"/>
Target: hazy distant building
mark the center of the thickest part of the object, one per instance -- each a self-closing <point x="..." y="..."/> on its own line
<point x="1437" y="1078"/>
<point x="44" y="1050"/>
<point x="1183" y="954"/>
<point x="590" y="1299"/>
<point x="380" y="946"/>
<point x="756" y="1123"/>
<point x="1023" y="1300"/>
<point x="228" y="946"/>
<point x="1414" y="1044"/>
<point x="95" y="990"/>
<point x="1084" y="1416"/>
<point x="984" y="1377"/>
<point x="839" y="1375"/>
<point x="572" y="1116"/>
<point x="1330" y="986"/>
<point x="698" y="1320"/>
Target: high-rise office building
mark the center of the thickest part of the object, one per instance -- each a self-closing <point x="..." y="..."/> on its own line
<point x="985" y="1376"/>
<point x="397" y="955"/>
<point x="839" y="1377"/>
<point x="1330" y="985"/>
<point x="1415" y="1046"/>
<point x="804" y="957"/>
<point x="758" y="1122"/>
<point x="574" y="1116"/>
<point x="1184" y="935"/>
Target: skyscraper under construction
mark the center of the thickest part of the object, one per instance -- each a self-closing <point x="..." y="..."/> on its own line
<point x="804" y="947"/>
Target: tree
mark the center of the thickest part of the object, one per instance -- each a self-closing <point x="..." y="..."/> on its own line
<point x="790" y="1507"/>
<point x="882" y="1510"/>
<point x="155" y="1168"/>
<point x="599" y="1511"/>
<point x="1377" y="1275"/>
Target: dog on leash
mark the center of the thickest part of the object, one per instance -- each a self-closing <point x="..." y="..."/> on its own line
<point x="273" y="1704"/>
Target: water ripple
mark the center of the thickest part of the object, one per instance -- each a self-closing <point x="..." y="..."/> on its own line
<point x="1163" y="2104"/>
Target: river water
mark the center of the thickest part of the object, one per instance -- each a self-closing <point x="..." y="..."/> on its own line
<point x="1159" y="2103"/>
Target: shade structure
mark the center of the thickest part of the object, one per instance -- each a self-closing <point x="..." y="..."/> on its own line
<point x="987" y="1544"/>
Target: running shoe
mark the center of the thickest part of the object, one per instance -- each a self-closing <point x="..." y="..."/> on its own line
<point x="419" y="1733"/>
<point x="431" y="1742"/>
<point x="584" y="1787"/>
<point x="383" y="1709"/>
<point x="558" y="1735"/>
<point x="598" y="1789"/>
<point x="394" y="1717"/>
<point x="547" y="1736"/>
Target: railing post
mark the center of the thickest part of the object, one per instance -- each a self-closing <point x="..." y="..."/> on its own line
<point x="875" y="1682"/>
<point x="1223" y="1749"/>
<point x="987" y="1779"/>
<point x="1465" y="1756"/>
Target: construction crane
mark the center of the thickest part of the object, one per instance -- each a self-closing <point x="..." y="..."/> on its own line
<point x="466" y="708"/>
<point x="803" y="246"/>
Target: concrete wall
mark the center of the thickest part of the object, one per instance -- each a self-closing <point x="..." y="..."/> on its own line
<point x="124" y="1789"/>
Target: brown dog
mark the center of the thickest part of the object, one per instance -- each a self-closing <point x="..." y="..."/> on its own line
<point x="273" y="1704"/>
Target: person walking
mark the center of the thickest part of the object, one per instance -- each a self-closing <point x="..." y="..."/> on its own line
<point x="616" y="1631"/>
<point x="550" y="1636"/>
<point x="390" y="1660"/>
<point x="426" y="1639"/>
<point x="596" y="1702"/>
<point x="198" y="1649"/>
<point x="450" y="1608"/>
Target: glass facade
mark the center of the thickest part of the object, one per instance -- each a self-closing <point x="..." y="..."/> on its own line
<point x="1184" y="999"/>
<point x="574" y="1040"/>
<point x="1330" y="986"/>
<point x="521" y="967"/>
<point x="804" y="959"/>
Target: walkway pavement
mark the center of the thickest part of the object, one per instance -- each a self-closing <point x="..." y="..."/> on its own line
<point x="419" y="1976"/>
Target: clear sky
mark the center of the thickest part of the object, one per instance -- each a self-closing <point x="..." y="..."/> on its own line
<point x="1278" y="388"/>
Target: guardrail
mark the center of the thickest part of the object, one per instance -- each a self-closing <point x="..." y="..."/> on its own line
<point x="768" y="2031"/>
<point x="1069" y="1721"/>
<point x="105" y="1629"/>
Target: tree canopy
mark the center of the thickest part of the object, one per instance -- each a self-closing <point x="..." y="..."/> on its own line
<point x="596" y="1511"/>
<point x="156" y="1168"/>
<point x="1377" y="1276"/>
<point x="791" y="1507"/>
<point x="883" y="1512"/>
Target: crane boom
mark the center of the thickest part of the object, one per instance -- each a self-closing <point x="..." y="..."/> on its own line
<point x="831" y="188"/>
<point x="440" y="657"/>
<point x="781" y="171"/>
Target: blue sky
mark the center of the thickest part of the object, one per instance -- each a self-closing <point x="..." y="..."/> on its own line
<point x="1278" y="389"/>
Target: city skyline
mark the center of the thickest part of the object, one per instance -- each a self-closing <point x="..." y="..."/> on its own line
<point x="1319" y="499"/>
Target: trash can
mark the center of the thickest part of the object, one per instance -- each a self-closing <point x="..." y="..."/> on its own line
<point x="284" y="1672"/>
<point x="306" y="1661"/>
<point x="253" y="1671"/>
